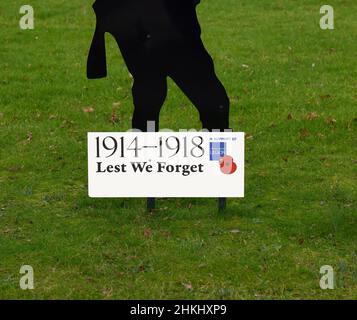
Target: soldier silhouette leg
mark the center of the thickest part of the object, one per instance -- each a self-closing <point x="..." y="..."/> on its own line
<point x="191" y="68"/>
<point x="193" y="71"/>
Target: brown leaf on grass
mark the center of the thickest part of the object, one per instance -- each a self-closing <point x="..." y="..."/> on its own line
<point x="52" y="116"/>
<point x="166" y="234"/>
<point x="312" y="116"/>
<point x="88" y="110"/>
<point x="114" y="118"/>
<point x="14" y="169"/>
<point x="290" y="116"/>
<point x="116" y="104"/>
<point x="108" y="292"/>
<point x="6" y="231"/>
<point x="141" y="268"/>
<point x="235" y="231"/>
<point x="331" y="121"/>
<point x="67" y="124"/>
<point x="148" y="233"/>
<point x="248" y="136"/>
<point x="304" y="133"/>
<point x="301" y="241"/>
<point x="325" y="96"/>
<point x="188" y="286"/>
<point x="189" y="206"/>
<point x="29" y="136"/>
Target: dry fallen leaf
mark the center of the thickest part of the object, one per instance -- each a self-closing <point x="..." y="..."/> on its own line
<point x="331" y="121"/>
<point x="312" y="116"/>
<point x="235" y="231"/>
<point x="304" y="133"/>
<point x="166" y="234"/>
<point x="324" y="97"/>
<point x="114" y="118"/>
<point x="148" y="233"/>
<point x="29" y="136"/>
<point x="290" y="116"/>
<point x="107" y="292"/>
<point x="188" y="286"/>
<point x="14" y="169"/>
<point x="88" y="110"/>
<point x="6" y="231"/>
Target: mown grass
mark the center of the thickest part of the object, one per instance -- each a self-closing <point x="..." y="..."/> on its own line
<point x="293" y="90"/>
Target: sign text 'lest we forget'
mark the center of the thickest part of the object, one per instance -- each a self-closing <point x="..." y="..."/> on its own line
<point x="166" y="164"/>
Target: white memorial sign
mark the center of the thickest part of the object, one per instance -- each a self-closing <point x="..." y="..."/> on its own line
<point x="165" y="164"/>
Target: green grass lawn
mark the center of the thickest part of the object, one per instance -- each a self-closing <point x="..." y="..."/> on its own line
<point x="293" y="89"/>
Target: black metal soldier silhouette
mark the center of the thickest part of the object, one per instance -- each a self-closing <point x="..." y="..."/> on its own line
<point x="160" y="39"/>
